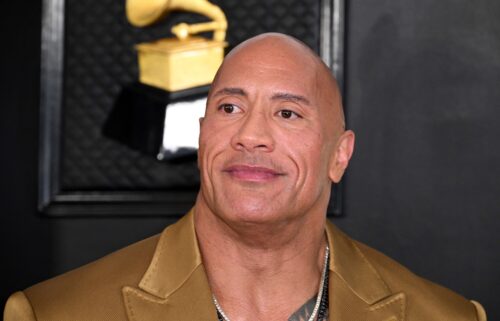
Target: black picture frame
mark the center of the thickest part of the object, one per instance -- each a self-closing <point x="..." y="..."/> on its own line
<point x="55" y="202"/>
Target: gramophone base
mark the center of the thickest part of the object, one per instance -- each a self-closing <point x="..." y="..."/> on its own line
<point x="172" y="64"/>
<point x="137" y="119"/>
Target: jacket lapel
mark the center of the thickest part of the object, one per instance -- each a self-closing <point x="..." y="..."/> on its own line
<point x="174" y="286"/>
<point x="356" y="290"/>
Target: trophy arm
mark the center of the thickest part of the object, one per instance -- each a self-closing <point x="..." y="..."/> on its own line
<point x="203" y="7"/>
<point x="184" y="30"/>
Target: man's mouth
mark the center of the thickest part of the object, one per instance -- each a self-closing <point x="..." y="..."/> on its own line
<point x="252" y="173"/>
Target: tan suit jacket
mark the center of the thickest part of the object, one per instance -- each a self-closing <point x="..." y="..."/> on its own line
<point x="163" y="278"/>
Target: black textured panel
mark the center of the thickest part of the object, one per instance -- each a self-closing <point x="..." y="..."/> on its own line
<point x="100" y="59"/>
<point x="294" y="17"/>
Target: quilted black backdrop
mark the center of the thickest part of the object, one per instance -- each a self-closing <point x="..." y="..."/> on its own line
<point x="100" y="59"/>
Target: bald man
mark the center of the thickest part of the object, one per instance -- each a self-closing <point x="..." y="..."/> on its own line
<point x="256" y="245"/>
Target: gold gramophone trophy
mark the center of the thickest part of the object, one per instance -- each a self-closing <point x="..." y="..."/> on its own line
<point x="174" y="78"/>
<point x="186" y="61"/>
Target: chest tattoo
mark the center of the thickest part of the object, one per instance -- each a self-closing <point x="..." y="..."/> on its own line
<point x="305" y="311"/>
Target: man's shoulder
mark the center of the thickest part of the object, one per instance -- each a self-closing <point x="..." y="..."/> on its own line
<point x="95" y="287"/>
<point x="425" y="300"/>
<point x="127" y="264"/>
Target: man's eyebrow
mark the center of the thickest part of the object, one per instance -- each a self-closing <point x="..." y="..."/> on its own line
<point x="291" y="97"/>
<point x="230" y="91"/>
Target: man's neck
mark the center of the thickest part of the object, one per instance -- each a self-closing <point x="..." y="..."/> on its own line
<point x="262" y="272"/>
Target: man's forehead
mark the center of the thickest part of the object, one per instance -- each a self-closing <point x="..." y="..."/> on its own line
<point x="271" y="86"/>
<point x="280" y="65"/>
<point x="271" y="74"/>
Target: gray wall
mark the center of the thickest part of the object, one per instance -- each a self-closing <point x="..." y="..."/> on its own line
<point x="422" y="81"/>
<point x="423" y="96"/>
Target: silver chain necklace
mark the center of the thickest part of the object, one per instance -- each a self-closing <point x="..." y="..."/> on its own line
<point x="318" y="298"/>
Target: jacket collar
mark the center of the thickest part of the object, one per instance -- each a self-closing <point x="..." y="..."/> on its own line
<point x="175" y="286"/>
<point x="356" y="289"/>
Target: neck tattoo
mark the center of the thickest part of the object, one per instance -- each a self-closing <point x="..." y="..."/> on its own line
<point x="320" y="308"/>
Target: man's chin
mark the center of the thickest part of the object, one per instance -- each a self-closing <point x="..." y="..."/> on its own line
<point x="256" y="213"/>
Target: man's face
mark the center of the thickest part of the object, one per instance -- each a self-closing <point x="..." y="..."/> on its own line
<point x="265" y="146"/>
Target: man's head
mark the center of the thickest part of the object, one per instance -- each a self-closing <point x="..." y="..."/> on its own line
<point x="272" y="139"/>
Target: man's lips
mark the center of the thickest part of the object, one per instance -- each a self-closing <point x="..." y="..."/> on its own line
<point x="252" y="173"/>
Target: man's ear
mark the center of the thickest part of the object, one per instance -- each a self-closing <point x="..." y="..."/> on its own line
<point x="341" y="155"/>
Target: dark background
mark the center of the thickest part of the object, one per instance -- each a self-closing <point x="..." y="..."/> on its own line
<point x="423" y="96"/>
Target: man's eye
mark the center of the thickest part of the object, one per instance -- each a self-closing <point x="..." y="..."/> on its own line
<point x="229" y="108"/>
<point x="288" y="114"/>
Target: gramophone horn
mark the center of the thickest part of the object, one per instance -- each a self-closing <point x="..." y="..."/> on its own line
<point x="141" y="13"/>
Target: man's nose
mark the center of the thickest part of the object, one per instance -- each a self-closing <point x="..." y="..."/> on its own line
<point x="254" y="133"/>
